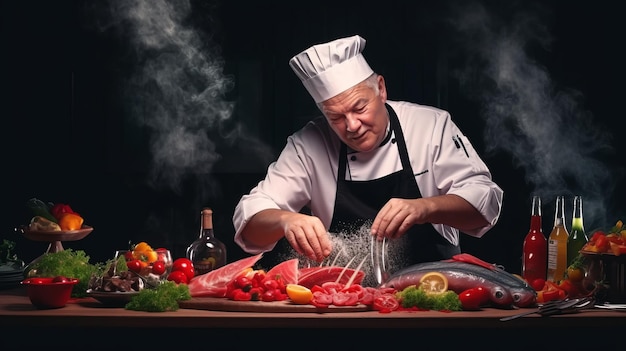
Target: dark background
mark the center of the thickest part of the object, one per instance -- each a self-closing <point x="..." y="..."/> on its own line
<point x="69" y="116"/>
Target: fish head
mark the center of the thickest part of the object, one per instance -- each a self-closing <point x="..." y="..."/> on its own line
<point x="524" y="297"/>
<point x="500" y="296"/>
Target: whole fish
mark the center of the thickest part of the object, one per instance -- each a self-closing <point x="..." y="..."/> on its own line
<point x="505" y="289"/>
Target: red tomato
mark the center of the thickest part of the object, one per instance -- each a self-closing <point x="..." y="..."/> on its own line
<point x="243" y="282"/>
<point x="550" y="295"/>
<point x="386" y="303"/>
<point x="268" y="296"/>
<point x="178" y="277"/>
<point x="321" y="299"/>
<point x="158" y="267"/>
<point x="184" y="265"/>
<point x="602" y="243"/>
<point x="241" y="295"/>
<point x="367" y="298"/>
<point x="60" y="279"/>
<point x="345" y="298"/>
<point x="256" y="293"/>
<point x="134" y="266"/>
<point x="538" y="284"/>
<point x="473" y="298"/>
<point x="270" y="284"/>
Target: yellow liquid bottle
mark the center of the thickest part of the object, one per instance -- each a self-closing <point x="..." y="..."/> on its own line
<point x="557" y="243"/>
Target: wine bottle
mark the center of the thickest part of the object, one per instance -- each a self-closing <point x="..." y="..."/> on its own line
<point x="535" y="248"/>
<point x="577" y="238"/>
<point x="557" y="243"/>
<point x="206" y="252"/>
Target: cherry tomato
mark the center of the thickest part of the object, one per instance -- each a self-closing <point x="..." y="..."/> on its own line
<point x="158" y="267"/>
<point x="243" y="282"/>
<point x="270" y="284"/>
<point x="268" y="296"/>
<point x="241" y="295"/>
<point x="134" y="266"/>
<point x="184" y="265"/>
<point x="385" y="303"/>
<point x="473" y="298"/>
<point x="538" y="284"/>
<point x="178" y="277"/>
<point x="60" y="279"/>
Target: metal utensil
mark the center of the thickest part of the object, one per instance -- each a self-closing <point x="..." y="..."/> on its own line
<point x="378" y="251"/>
<point x="556" y="307"/>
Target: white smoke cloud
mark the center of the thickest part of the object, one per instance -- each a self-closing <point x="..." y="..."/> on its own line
<point x="177" y="89"/>
<point x="546" y="128"/>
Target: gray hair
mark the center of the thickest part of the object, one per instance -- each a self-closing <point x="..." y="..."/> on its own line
<point x="371" y="81"/>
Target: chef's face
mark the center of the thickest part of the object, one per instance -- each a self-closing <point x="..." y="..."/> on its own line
<point x="358" y="115"/>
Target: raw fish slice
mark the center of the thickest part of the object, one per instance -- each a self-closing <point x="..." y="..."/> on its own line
<point x="287" y="271"/>
<point x="214" y="283"/>
<point x="321" y="275"/>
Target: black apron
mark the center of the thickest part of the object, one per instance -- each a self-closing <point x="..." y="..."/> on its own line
<point x="358" y="202"/>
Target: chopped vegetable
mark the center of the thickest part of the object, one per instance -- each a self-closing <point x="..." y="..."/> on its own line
<point x="412" y="296"/>
<point x="163" y="298"/>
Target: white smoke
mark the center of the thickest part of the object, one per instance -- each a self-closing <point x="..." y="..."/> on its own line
<point x="177" y="89"/>
<point x="552" y="138"/>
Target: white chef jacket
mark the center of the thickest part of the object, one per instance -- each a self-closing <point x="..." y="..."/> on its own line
<point x="305" y="173"/>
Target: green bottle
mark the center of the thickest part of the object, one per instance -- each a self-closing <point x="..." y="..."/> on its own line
<point x="577" y="237"/>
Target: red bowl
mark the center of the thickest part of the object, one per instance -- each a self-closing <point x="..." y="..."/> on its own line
<point x="45" y="293"/>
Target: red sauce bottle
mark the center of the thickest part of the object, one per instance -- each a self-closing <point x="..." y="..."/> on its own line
<point x="535" y="250"/>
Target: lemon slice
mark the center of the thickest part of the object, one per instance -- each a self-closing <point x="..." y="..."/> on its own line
<point x="299" y="294"/>
<point x="434" y="283"/>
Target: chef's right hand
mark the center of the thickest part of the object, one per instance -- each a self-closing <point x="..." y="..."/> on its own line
<point x="307" y="235"/>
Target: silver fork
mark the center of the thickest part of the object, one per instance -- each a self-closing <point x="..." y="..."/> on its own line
<point x="557" y="307"/>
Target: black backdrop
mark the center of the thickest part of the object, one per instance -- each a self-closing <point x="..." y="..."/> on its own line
<point x="69" y="134"/>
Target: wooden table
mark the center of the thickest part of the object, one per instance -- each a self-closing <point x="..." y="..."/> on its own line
<point x="87" y="318"/>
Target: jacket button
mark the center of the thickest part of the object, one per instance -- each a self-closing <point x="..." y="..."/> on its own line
<point x="353" y="158"/>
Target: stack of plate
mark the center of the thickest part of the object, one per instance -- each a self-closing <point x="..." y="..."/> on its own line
<point x="11" y="275"/>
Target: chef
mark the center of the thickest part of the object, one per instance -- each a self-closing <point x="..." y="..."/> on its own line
<point x="403" y="171"/>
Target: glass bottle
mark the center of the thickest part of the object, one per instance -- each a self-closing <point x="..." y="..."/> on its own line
<point x="557" y="243"/>
<point x="535" y="248"/>
<point x="577" y="238"/>
<point x="206" y="252"/>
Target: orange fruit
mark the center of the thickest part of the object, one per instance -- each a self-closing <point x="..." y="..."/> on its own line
<point x="434" y="283"/>
<point x="70" y="221"/>
<point x="299" y="294"/>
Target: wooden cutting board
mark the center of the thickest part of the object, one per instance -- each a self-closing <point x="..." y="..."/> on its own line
<point x="224" y="304"/>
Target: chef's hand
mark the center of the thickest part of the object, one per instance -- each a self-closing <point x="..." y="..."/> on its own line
<point x="307" y="235"/>
<point x="397" y="216"/>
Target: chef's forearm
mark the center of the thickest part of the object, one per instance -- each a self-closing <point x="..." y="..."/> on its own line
<point x="454" y="211"/>
<point x="264" y="228"/>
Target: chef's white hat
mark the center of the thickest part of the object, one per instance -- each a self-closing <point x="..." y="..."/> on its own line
<point x="329" y="69"/>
